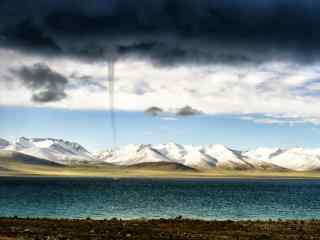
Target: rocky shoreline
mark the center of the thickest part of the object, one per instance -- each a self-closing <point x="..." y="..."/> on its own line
<point x="16" y="228"/>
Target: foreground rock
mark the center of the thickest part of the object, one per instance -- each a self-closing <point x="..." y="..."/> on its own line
<point x="157" y="229"/>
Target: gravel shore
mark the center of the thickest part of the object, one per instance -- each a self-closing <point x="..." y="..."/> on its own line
<point x="21" y="229"/>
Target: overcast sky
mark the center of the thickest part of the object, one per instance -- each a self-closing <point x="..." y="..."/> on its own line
<point x="254" y="61"/>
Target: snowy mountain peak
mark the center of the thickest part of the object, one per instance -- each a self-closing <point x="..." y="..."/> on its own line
<point x="171" y="150"/>
<point x="263" y="154"/>
<point x="217" y="146"/>
<point x="55" y="150"/>
<point x="57" y="144"/>
<point x="135" y="154"/>
<point x="221" y="151"/>
<point x="173" y="145"/>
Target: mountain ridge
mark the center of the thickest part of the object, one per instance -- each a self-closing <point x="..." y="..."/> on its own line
<point x="211" y="156"/>
<point x="51" y="149"/>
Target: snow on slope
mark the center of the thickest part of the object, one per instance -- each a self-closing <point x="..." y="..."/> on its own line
<point x="173" y="151"/>
<point x="263" y="154"/>
<point x="191" y="156"/>
<point x="135" y="154"/>
<point x="212" y="156"/>
<point x="103" y="155"/>
<point x="226" y="157"/>
<point x="55" y="150"/>
<point x="201" y="157"/>
<point x="298" y="159"/>
<point x="196" y="158"/>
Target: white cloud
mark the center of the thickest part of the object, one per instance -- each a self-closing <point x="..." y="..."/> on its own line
<point x="263" y="120"/>
<point x="169" y="118"/>
<point x="269" y="90"/>
<point x="280" y="120"/>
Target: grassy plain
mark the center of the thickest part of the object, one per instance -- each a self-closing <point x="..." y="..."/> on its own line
<point x="13" y="164"/>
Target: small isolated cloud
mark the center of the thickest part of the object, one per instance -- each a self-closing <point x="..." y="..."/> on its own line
<point x="46" y="84"/>
<point x="49" y="95"/>
<point x="187" y="111"/>
<point x="263" y="120"/>
<point x="178" y="112"/>
<point x="281" y="120"/>
<point x="169" y="119"/>
<point x="153" y="111"/>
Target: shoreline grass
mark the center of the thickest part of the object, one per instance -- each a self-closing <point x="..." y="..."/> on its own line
<point x="120" y="172"/>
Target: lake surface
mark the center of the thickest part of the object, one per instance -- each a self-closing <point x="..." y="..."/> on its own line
<point x="137" y="198"/>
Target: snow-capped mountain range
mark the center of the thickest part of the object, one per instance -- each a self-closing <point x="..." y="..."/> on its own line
<point x="54" y="150"/>
<point x="215" y="156"/>
<point x="199" y="157"/>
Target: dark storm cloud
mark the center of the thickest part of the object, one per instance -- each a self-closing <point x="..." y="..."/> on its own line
<point x="46" y="84"/>
<point x="29" y="36"/>
<point x="165" y="31"/>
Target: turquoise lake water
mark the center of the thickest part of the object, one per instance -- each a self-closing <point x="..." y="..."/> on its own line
<point x="146" y="198"/>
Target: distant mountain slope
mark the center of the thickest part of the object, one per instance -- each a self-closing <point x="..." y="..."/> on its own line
<point x="55" y="150"/>
<point x="227" y="158"/>
<point x="190" y="156"/>
<point x="135" y="154"/>
<point x="207" y="157"/>
<point x="11" y="157"/>
<point x="161" y="166"/>
<point x="218" y="156"/>
<point x="298" y="159"/>
<point x="263" y="154"/>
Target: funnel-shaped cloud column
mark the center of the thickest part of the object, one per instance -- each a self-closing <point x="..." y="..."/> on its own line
<point x="111" y="100"/>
